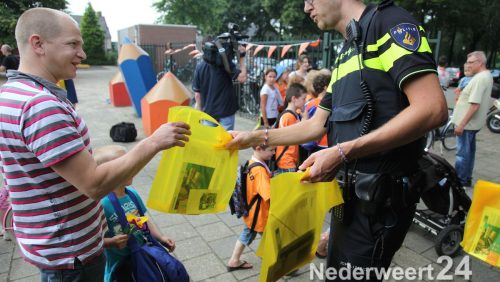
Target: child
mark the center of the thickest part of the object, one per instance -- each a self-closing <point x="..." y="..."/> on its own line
<point x="115" y="241"/>
<point x="270" y="99"/>
<point x="464" y="81"/>
<point x="258" y="183"/>
<point x="287" y="157"/>
<point x="318" y="84"/>
<point x="281" y="80"/>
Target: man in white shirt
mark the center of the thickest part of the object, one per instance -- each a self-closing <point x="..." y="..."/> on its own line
<point x="470" y="114"/>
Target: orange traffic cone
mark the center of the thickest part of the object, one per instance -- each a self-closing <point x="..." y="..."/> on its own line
<point x="168" y="92"/>
<point x="118" y="91"/>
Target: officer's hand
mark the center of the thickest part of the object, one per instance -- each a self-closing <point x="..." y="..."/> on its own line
<point x="324" y="165"/>
<point x="241" y="140"/>
<point x="171" y="134"/>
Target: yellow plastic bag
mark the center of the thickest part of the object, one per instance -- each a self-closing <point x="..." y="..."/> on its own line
<point x="482" y="228"/>
<point x="200" y="177"/>
<point x="294" y="225"/>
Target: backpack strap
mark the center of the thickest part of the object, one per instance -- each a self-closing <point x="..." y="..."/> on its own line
<point x="257" y="198"/>
<point x="132" y="242"/>
<point x="278" y="121"/>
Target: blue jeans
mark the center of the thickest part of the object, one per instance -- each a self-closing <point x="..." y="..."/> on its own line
<point x="92" y="271"/>
<point x="466" y="152"/>
<point x="228" y="122"/>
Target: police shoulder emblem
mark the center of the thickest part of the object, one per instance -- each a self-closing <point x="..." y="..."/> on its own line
<point x="406" y="35"/>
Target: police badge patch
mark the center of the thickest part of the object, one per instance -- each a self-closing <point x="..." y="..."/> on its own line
<point x="406" y="35"/>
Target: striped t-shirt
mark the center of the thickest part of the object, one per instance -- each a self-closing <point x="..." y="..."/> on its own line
<point x="53" y="221"/>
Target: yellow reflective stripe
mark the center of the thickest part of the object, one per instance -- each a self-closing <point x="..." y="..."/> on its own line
<point x="374" y="63"/>
<point x="424" y="46"/>
<point x="392" y="54"/>
<point x="346" y="68"/>
<point x="380" y="42"/>
<point x="323" y="108"/>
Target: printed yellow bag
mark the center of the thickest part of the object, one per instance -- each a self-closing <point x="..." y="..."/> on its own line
<point x="294" y="224"/>
<point x="482" y="227"/>
<point x="200" y="177"/>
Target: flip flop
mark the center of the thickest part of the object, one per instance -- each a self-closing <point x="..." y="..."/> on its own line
<point x="244" y="265"/>
<point x="318" y="255"/>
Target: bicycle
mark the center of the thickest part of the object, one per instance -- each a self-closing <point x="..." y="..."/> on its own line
<point x="444" y="134"/>
<point x="8" y="225"/>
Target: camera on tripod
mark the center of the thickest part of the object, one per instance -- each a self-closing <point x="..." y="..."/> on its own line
<point x="223" y="49"/>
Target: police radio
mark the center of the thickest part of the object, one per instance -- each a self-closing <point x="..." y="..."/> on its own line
<point x="356" y="37"/>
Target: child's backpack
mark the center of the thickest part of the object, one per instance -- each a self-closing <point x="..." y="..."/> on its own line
<point x="238" y="202"/>
<point x="149" y="262"/>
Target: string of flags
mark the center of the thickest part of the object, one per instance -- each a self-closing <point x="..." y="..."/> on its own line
<point x="258" y="47"/>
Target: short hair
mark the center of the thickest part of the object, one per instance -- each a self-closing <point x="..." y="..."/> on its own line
<point x="296" y="79"/>
<point x="295" y="90"/>
<point x="108" y="153"/>
<point x="479" y="55"/>
<point x="321" y="80"/>
<point x="6" y="47"/>
<point x="43" y="21"/>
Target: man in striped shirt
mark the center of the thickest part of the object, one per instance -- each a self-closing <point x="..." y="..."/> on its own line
<point x="53" y="181"/>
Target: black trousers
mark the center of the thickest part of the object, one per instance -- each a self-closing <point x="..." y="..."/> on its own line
<point x="367" y="241"/>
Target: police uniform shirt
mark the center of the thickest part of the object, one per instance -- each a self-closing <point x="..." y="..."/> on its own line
<point x="396" y="50"/>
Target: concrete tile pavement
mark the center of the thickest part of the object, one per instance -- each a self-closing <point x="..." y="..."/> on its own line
<point x="204" y="243"/>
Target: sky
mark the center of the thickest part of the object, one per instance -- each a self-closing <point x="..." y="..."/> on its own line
<point x="119" y="14"/>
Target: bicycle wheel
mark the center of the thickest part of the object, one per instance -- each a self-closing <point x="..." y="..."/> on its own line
<point x="8" y="225"/>
<point x="429" y="140"/>
<point x="449" y="138"/>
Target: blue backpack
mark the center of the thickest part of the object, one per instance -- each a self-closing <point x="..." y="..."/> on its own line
<point x="238" y="203"/>
<point x="149" y="262"/>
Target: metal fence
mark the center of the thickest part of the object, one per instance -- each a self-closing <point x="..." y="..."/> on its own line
<point x="321" y="56"/>
<point x="181" y="63"/>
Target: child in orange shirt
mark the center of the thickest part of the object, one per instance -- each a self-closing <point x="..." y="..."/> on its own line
<point x="287" y="157"/>
<point x="258" y="185"/>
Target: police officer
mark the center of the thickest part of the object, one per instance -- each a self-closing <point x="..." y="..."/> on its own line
<point x="384" y="95"/>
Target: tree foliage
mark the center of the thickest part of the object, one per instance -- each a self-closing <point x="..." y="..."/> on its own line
<point x="10" y="10"/>
<point x="465" y="25"/>
<point x="92" y="35"/>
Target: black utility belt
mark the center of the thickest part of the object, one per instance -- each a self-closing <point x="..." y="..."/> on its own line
<point x="376" y="191"/>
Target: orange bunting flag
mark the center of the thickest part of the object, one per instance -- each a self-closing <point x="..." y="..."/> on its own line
<point x="257" y="50"/>
<point x="271" y="51"/>
<point x="315" y="43"/>
<point x="189" y="46"/>
<point x="194" y="52"/>
<point x="303" y="47"/>
<point x="249" y="46"/>
<point x="285" y="49"/>
<point x="176" y="51"/>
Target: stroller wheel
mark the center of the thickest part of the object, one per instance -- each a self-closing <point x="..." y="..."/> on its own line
<point x="448" y="241"/>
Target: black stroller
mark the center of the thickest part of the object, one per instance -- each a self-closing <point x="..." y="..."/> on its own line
<point x="447" y="204"/>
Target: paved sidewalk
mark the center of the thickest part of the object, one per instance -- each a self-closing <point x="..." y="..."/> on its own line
<point x="205" y="242"/>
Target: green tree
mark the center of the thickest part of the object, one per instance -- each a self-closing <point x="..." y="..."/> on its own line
<point x="207" y="15"/>
<point x="10" y="10"/>
<point x="93" y="36"/>
<point x="290" y="19"/>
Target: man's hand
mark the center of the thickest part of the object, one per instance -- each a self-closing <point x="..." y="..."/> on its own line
<point x="324" y="165"/>
<point x="171" y="134"/>
<point x="459" y="130"/>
